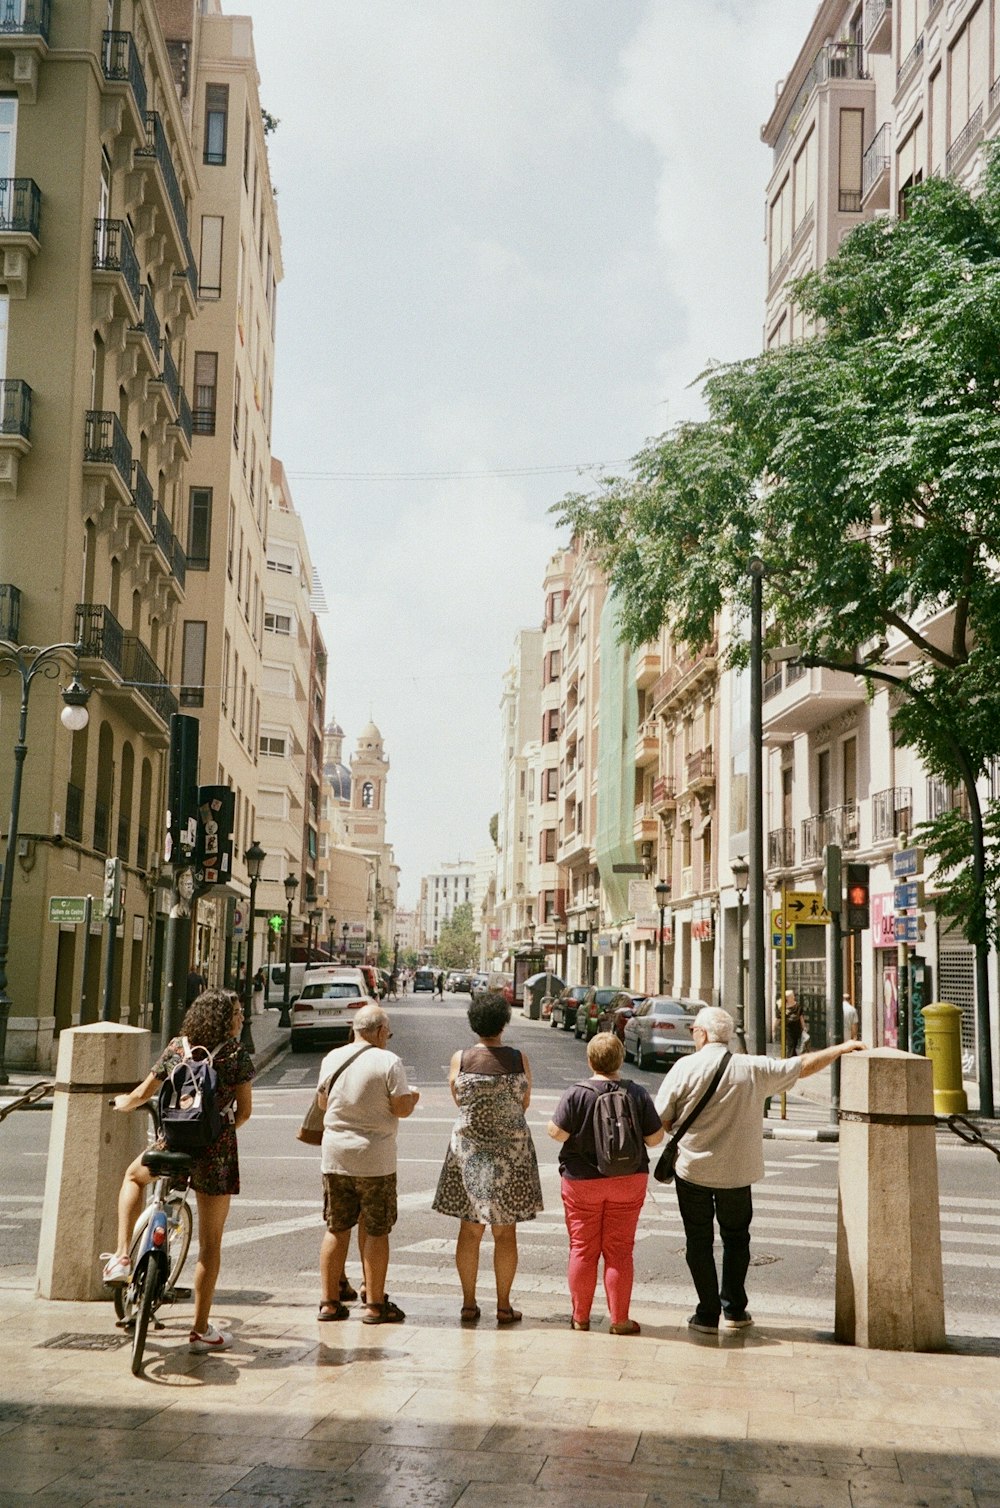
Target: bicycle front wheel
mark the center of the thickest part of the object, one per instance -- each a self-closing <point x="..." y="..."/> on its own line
<point x="178" y="1237"/>
<point x="150" y="1281"/>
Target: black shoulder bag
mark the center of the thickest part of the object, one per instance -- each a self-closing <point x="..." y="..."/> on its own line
<point x="664" y="1170"/>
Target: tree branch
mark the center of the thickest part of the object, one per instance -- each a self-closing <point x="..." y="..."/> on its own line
<point x="924" y="645"/>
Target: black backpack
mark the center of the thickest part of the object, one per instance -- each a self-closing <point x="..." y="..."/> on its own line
<point x="191" y="1115"/>
<point x="618" y="1138"/>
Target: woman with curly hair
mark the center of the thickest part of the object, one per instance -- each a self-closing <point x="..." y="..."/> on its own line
<point x="213" y="1021"/>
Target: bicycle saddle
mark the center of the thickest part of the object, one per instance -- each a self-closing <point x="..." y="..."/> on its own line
<point x="166" y="1162"/>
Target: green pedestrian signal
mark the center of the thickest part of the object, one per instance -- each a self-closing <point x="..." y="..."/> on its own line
<point x="276" y="924"/>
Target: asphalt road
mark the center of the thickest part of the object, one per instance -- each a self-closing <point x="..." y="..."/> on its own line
<point x="272" y="1239"/>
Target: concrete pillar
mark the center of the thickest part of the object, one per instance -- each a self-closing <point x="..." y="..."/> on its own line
<point x="90" y="1146"/>
<point x="890" y="1289"/>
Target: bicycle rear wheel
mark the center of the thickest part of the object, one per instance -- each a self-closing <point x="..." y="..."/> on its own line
<point x="150" y="1282"/>
<point x="178" y="1237"/>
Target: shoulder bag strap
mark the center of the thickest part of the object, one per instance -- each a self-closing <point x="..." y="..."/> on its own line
<point x="334" y="1077"/>
<point x="686" y="1125"/>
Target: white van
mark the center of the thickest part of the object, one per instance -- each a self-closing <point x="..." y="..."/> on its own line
<point x="274" y="981"/>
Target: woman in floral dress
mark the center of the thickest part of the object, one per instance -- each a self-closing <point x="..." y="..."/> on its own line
<point x="490" y="1173"/>
<point x="214" y="1020"/>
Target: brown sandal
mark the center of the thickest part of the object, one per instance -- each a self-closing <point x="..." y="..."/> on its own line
<point x="470" y="1314"/>
<point x="333" y="1309"/>
<point x="509" y="1316"/>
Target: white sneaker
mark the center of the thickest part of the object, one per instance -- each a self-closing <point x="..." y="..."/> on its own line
<point x="741" y="1322"/>
<point x="117" y="1270"/>
<point x="209" y="1340"/>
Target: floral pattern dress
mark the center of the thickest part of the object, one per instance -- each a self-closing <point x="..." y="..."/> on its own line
<point x="490" y="1172"/>
<point x="217" y="1170"/>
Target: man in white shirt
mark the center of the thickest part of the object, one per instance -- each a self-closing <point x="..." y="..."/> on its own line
<point x="850" y="1020"/>
<point x="364" y="1095"/>
<point x="722" y="1155"/>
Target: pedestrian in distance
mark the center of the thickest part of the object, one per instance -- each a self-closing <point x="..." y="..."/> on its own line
<point x="196" y="983"/>
<point x="363" y="1094"/>
<point x="490" y="1173"/>
<point x="259" y="985"/>
<point x="722" y="1155"/>
<point x="213" y="1021"/>
<point x="602" y="1208"/>
<point x="852" y="1029"/>
<point x="791" y="1012"/>
<point x="440" y="986"/>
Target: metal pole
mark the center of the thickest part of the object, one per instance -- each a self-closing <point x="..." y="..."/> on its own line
<point x="108" y="979"/>
<point x="6" y="893"/>
<point x="741" y="993"/>
<point x="88" y="906"/>
<point x="837" y="1013"/>
<point x="783" y="989"/>
<point x="756" y="813"/>
<point x="246" y="1035"/>
<point x="662" y="910"/>
<point x="285" y="1019"/>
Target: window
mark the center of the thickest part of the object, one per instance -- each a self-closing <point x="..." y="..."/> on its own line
<point x="225" y="679"/>
<point x="216" y="115"/>
<point x="206" y="385"/>
<point x="231" y="539"/>
<point x="909" y="165"/>
<point x="277" y="623"/>
<point x="368" y="794"/>
<point x="193" y="665"/>
<point x="780" y="231"/>
<point x="852" y="127"/>
<point x="547" y="845"/>
<point x="210" y="263"/>
<point x="805" y="180"/>
<point x="236" y="412"/>
<point x="550" y="726"/>
<point x="968" y="65"/>
<point x="243" y="706"/>
<point x="199" y="528"/>
<point x="550" y="785"/>
<point x="272" y="746"/>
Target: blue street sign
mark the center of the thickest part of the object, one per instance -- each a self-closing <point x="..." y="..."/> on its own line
<point x="909" y="929"/>
<point x="789" y="940"/>
<point x="908" y="896"/>
<point x="906" y="862"/>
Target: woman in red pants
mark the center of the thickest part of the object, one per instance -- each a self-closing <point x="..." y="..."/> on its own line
<point x="602" y="1211"/>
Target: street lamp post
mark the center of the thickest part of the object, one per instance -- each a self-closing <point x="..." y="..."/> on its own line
<point x="27" y="661"/>
<point x="254" y="861"/>
<point x="291" y="885"/>
<point x="315" y="917"/>
<point x="741" y="878"/>
<point x="345" y="929"/>
<point x="756" y="810"/>
<point x="331" y="923"/>
<point x="593" y="917"/>
<point x="662" y="897"/>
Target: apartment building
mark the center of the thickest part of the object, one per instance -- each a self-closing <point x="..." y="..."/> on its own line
<point x="549" y="892"/>
<point x="441" y="892"/>
<point x="881" y="95"/>
<point x="521" y="722"/>
<point x="97" y="296"/>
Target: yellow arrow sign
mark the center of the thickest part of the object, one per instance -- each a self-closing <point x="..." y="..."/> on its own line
<point x="804" y="908"/>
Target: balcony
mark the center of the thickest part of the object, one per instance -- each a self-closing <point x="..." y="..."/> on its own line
<point x="116" y="267"/>
<point x="169" y="547"/>
<point x="969" y="136"/>
<point x="645" y="826"/>
<point x="647" y="744"/>
<point x="157" y="151"/>
<point x="133" y="677"/>
<point x="142" y="496"/>
<point x="123" y="71"/>
<point x="803" y="699"/>
<point x="169" y="378"/>
<point x="20" y="216"/>
<point x="781" y="848"/>
<point x="664" y="794"/>
<point x="892" y="813"/>
<point x="875" y="169"/>
<point x="835" y="62"/>
<point x="878" y="26"/>
<point x="838" y="825"/>
<point x="24" y="40"/>
<point x="107" y="456"/>
<point x="184" y="424"/>
<point x="680" y="678"/>
<point x="10" y="612"/>
<point x="699" y="768"/>
<point x="943" y="797"/>
<point x="910" y="63"/>
<point x="146" y="331"/>
<point x="15" y="431"/>
<point x="647" y="668"/>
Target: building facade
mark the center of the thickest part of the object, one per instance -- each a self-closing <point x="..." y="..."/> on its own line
<point x="441" y="891"/>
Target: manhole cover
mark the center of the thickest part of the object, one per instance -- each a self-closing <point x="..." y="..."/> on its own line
<point x="83" y="1342"/>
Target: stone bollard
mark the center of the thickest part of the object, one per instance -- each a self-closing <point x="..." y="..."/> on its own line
<point x="90" y="1146"/>
<point x="890" y="1288"/>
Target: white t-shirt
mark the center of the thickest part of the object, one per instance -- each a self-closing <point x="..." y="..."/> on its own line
<point x="850" y="1020"/>
<point x="725" y="1147"/>
<point x="359" y="1128"/>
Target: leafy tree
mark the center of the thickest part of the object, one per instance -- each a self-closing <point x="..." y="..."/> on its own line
<point x="862" y="466"/>
<point x="494" y="827"/>
<point x="457" y="946"/>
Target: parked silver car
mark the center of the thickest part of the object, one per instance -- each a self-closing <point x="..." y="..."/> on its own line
<point x="660" y="1030"/>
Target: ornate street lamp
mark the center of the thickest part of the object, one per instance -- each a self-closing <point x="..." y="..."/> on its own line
<point x="331" y="923"/>
<point x="741" y="879"/>
<point x="662" y="897"/>
<point x="314" y="920"/>
<point x="27" y="661"/>
<point x="254" y="861"/>
<point x="291" y="885"/>
<point x="345" y="929"/>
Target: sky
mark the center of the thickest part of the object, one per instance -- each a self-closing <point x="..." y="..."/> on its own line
<point x="514" y="233"/>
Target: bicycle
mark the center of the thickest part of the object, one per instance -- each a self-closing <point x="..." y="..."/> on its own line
<point x="159" y="1246"/>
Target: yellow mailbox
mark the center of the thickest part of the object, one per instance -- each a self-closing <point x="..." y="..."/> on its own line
<point x="943" y="1039"/>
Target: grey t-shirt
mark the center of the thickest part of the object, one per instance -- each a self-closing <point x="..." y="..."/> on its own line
<point x="725" y="1147"/>
<point x="359" y="1128"/>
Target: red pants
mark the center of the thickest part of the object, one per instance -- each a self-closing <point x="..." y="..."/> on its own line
<point x="601" y="1217"/>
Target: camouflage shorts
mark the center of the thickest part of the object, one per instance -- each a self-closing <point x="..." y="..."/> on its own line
<point x="346" y="1198"/>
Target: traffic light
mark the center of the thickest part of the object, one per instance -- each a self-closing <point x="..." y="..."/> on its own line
<point x="831" y="878"/>
<point x="276" y="924"/>
<point x="858" y="898"/>
<point x="111" y="904"/>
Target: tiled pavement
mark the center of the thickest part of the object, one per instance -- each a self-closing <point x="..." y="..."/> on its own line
<point x="430" y="1413"/>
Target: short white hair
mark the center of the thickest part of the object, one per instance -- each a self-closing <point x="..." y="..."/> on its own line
<point x="369" y="1021"/>
<point x="717" y="1024"/>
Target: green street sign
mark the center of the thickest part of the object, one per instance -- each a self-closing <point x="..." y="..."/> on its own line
<point x="68" y="908"/>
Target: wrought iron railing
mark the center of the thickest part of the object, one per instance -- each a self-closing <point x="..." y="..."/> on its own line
<point x="994" y="95"/>
<point x="157" y="147"/>
<point x="20" y="206"/>
<point x="164" y="535"/>
<point x="878" y="156"/>
<point x="178" y="562"/>
<point x="103" y="638"/>
<point x="837" y="825"/>
<point x="943" y="797"/>
<point x="140" y="670"/>
<point x="892" y="811"/>
<point x="142" y="492"/>
<point x="15" y="407"/>
<point x="964" y="140"/>
<point x="169" y="376"/>
<point x="663" y="790"/>
<point x="781" y="848"/>
<point x="772" y="684"/>
<point x="149" y="322"/>
<point x="700" y="765"/>
<point x="25" y="18"/>
<point x="835" y="60"/>
<point x="874" y="11"/>
<point x="910" y="62"/>
<point x="122" y="65"/>
<point x="73" y="817"/>
<point x="184" y="421"/>
<point x="849" y="201"/>
<point x="105" y="441"/>
<point x="203" y="421"/>
<point x="10" y="611"/>
<point x="114" y="252"/>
